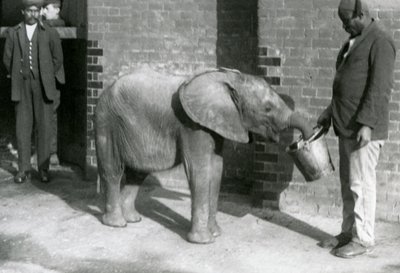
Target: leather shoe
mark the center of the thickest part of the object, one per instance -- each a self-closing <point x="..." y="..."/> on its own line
<point x="44" y="176"/>
<point x="336" y="242"/>
<point x="22" y="177"/>
<point x="351" y="250"/>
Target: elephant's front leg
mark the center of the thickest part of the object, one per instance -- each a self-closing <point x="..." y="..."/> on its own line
<point x="199" y="187"/>
<point x="197" y="153"/>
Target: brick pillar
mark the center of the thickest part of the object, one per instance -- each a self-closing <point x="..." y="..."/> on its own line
<point x="267" y="165"/>
<point x="94" y="88"/>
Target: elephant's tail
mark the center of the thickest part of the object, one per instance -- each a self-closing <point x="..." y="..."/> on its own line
<point x="99" y="186"/>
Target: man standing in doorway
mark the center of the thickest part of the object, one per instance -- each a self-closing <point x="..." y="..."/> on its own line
<point x="32" y="56"/>
<point x="51" y="15"/>
<point x="360" y="115"/>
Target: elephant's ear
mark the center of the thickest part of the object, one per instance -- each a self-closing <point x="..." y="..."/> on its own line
<point x="207" y="99"/>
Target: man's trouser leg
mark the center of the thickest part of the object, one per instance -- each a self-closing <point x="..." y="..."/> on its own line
<point x="24" y="124"/>
<point x="54" y="142"/>
<point x="43" y="111"/>
<point x="358" y="185"/>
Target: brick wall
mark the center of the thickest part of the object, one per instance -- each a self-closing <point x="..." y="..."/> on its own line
<point x="301" y="39"/>
<point x="181" y="37"/>
<point x="295" y="49"/>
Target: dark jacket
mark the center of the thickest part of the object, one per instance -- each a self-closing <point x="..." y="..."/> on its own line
<point x="50" y="58"/>
<point x="362" y="84"/>
<point x="60" y="74"/>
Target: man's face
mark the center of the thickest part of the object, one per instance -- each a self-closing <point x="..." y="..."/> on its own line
<point x="31" y="15"/>
<point x="50" y="12"/>
<point x="351" y="24"/>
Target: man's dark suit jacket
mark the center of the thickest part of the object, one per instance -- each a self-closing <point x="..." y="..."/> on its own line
<point x="50" y="58"/>
<point x="363" y="83"/>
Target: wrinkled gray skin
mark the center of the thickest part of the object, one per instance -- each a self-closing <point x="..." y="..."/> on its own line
<point x="150" y="122"/>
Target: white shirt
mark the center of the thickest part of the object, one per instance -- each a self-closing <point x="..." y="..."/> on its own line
<point x="351" y="43"/>
<point x="30" y="29"/>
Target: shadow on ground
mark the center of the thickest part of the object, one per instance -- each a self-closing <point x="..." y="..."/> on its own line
<point x="56" y="227"/>
<point x="21" y="254"/>
<point x="81" y="195"/>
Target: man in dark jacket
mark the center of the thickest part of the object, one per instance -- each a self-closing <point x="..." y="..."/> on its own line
<point x="360" y="115"/>
<point x="32" y="56"/>
<point x="51" y="15"/>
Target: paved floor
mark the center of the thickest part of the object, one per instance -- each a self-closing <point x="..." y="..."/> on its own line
<point x="56" y="228"/>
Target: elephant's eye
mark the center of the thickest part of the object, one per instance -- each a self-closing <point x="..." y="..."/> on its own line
<point x="268" y="107"/>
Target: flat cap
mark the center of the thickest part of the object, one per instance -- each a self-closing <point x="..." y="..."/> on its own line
<point x="29" y="3"/>
<point x="354" y="5"/>
<point x="54" y="2"/>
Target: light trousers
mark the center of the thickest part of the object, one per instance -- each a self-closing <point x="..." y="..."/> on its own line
<point x="358" y="187"/>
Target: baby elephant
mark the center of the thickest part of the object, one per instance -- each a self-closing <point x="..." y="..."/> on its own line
<point x="150" y="122"/>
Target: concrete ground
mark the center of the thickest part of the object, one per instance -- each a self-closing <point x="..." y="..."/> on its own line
<point x="56" y="228"/>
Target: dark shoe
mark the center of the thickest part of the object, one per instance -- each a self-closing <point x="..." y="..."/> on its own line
<point x="335" y="242"/>
<point x="352" y="250"/>
<point x="44" y="176"/>
<point x="22" y="177"/>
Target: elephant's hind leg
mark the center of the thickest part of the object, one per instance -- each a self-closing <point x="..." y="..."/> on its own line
<point x="129" y="192"/>
<point x="215" y="184"/>
<point x="110" y="171"/>
<point x="113" y="212"/>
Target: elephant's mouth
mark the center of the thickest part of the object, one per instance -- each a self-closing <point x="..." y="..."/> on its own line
<point x="272" y="134"/>
<point x="268" y="133"/>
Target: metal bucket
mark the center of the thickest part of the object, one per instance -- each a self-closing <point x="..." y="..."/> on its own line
<point x="312" y="156"/>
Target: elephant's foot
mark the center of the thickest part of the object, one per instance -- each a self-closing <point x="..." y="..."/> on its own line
<point x="215" y="230"/>
<point x="114" y="220"/>
<point x="132" y="216"/>
<point x="200" y="237"/>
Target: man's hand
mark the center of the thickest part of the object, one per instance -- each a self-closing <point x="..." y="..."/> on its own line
<point x="324" y="119"/>
<point x="364" y="136"/>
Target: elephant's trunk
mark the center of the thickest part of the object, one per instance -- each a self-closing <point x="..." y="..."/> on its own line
<point x="298" y="122"/>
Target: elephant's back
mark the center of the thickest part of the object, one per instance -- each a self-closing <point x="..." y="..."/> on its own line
<point x="143" y="119"/>
<point x="156" y="84"/>
<point x="140" y="92"/>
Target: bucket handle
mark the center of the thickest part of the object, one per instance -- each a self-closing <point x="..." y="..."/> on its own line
<point x="317" y="129"/>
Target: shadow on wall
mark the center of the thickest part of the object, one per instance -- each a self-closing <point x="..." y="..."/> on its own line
<point x="237" y="49"/>
<point x="237" y="40"/>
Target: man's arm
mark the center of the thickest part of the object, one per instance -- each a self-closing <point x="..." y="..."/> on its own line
<point x="8" y="48"/>
<point x="377" y="92"/>
<point x="325" y="118"/>
<point x="56" y="50"/>
<point x="378" y="89"/>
